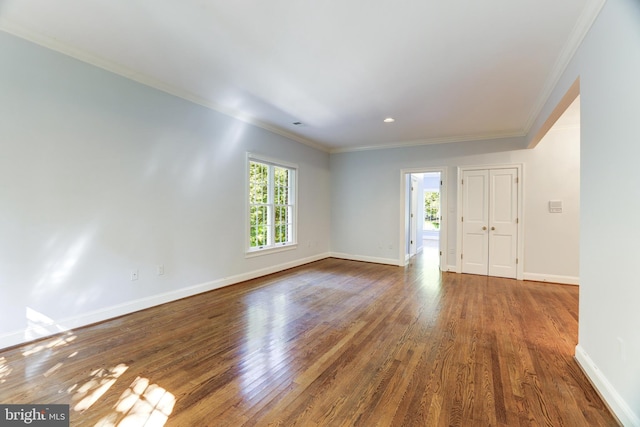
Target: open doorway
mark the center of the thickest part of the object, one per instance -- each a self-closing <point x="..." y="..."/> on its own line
<point x="431" y="215"/>
<point x="431" y="201"/>
<point x="423" y="219"/>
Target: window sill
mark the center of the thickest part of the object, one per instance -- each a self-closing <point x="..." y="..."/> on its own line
<point x="267" y="251"/>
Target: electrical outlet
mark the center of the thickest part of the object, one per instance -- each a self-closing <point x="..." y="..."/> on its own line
<point x="134" y="275"/>
<point x="160" y="270"/>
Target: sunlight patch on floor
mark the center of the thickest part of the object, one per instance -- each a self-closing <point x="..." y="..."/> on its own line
<point x="39" y="325"/>
<point x="38" y="354"/>
<point x="101" y="380"/>
<point x="58" y="342"/>
<point x="142" y="404"/>
<point x="5" y="370"/>
<point x="53" y="369"/>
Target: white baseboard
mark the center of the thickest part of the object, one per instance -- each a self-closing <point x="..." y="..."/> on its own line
<point x="54" y="327"/>
<point x="614" y="401"/>
<point x="452" y="268"/>
<point x="551" y="278"/>
<point x="375" y="260"/>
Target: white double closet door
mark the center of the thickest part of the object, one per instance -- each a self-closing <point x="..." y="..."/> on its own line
<point x="490" y="222"/>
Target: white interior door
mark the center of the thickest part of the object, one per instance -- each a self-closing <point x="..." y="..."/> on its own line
<point x="475" y="221"/>
<point x="503" y="220"/>
<point x="490" y="222"/>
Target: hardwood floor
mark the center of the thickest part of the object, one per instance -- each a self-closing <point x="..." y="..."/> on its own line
<point x="332" y="343"/>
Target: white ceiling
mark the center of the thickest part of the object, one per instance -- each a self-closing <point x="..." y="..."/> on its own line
<point x="445" y="70"/>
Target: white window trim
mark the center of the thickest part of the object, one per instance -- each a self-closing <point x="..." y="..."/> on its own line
<point x="253" y="252"/>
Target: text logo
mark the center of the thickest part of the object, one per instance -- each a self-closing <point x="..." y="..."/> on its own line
<point x="34" y="415"/>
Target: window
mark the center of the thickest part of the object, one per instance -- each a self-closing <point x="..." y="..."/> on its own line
<point x="272" y="210"/>
<point x="431" y="210"/>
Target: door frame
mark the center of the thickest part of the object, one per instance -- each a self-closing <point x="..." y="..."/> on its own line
<point x="520" y="186"/>
<point x="413" y="219"/>
<point x="402" y="245"/>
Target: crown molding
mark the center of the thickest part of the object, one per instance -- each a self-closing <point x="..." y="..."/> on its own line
<point x="578" y="33"/>
<point x="431" y="141"/>
<point x="144" y="79"/>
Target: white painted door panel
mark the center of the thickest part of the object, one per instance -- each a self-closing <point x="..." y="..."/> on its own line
<point x="475" y="212"/>
<point x="503" y="217"/>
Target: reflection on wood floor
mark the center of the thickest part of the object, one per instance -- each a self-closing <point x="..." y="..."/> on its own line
<point x="330" y="343"/>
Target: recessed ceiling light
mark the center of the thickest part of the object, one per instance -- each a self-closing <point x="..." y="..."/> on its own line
<point x="389" y="120"/>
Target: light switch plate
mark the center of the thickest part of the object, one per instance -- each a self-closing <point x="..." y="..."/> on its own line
<point x="555" y="206"/>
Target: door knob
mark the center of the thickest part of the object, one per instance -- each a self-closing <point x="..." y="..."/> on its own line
<point x="484" y="228"/>
<point x="493" y="228"/>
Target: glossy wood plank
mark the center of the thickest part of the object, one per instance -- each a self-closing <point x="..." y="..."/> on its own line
<point x="332" y="343"/>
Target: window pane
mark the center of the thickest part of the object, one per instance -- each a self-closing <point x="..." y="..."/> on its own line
<point x="281" y="234"/>
<point x="281" y="196"/>
<point x="282" y="176"/>
<point x="258" y="182"/>
<point x="259" y="236"/>
<point x="259" y="231"/>
<point x="284" y="215"/>
<point x="282" y="185"/>
<point x="431" y="210"/>
<point x="283" y="225"/>
<point x="278" y="215"/>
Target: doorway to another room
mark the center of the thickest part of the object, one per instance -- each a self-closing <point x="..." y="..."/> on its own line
<point x="430" y="216"/>
<point x="423" y="216"/>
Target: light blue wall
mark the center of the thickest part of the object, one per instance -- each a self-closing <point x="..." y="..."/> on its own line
<point x="365" y="191"/>
<point x="365" y="196"/>
<point x="609" y="68"/>
<point x="608" y="64"/>
<point x="100" y="176"/>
